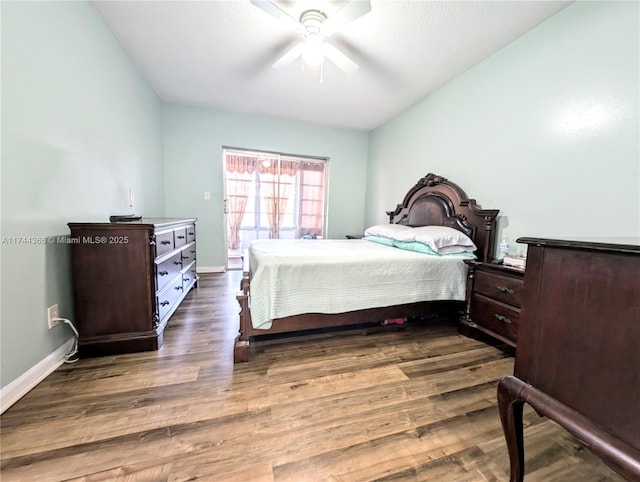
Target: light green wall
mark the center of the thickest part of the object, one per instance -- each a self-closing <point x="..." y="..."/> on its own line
<point x="546" y="130"/>
<point x="79" y="126"/>
<point x="194" y="138"/>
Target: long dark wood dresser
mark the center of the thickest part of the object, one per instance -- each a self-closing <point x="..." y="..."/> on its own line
<point x="128" y="279"/>
<point x="578" y="355"/>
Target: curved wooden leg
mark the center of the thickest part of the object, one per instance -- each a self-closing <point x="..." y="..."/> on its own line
<point x="510" y="405"/>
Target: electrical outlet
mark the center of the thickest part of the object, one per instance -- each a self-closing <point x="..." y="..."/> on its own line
<point x="52" y="312"/>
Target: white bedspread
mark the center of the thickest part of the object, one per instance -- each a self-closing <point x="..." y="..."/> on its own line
<point x="291" y="277"/>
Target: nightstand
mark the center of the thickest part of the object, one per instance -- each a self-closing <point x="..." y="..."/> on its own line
<point x="493" y="301"/>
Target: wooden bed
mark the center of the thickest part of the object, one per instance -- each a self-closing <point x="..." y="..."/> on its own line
<point x="433" y="200"/>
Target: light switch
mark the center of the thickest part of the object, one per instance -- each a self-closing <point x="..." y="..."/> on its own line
<point x="207" y="196"/>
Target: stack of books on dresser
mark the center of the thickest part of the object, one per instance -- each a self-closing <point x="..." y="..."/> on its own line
<point x="514" y="261"/>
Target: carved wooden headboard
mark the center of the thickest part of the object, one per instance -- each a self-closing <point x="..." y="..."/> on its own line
<point x="434" y="200"/>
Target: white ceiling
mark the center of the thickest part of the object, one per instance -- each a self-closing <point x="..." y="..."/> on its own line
<point x="219" y="53"/>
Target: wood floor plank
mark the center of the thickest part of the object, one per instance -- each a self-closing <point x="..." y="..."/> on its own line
<point x="413" y="402"/>
<point x="398" y="452"/>
<point x="198" y="470"/>
<point x="149" y="472"/>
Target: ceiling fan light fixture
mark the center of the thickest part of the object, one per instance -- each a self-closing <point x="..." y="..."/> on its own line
<point x="315" y="25"/>
<point x="313" y="51"/>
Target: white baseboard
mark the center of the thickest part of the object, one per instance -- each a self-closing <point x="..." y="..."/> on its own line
<point x="18" y="388"/>
<point x="210" y="269"/>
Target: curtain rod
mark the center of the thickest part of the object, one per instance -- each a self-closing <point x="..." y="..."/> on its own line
<point x="259" y="151"/>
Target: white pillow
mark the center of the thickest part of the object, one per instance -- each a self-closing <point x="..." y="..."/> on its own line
<point x="443" y="239"/>
<point x="398" y="232"/>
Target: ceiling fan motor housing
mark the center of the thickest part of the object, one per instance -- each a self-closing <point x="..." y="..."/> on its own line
<point x="312" y="21"/>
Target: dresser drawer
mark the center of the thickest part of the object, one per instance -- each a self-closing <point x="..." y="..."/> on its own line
<point x="188" y="254"/>
<point x="191" y="233"/>
<point x="164" y="242"/>
<point x="189" y="276"/>
<point x="169" y="296"/>
<point x="502" y="288"/>
<point x="179" y="237"/>
<point x="167" y="270"/>
<point x="495" y="316"/>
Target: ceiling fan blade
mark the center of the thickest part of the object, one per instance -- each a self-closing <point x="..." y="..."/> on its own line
<point x="289" y="57"/>
<point x="343" y="62"/>
<point x="347" y="13"/>
<point x="276" y="12"/>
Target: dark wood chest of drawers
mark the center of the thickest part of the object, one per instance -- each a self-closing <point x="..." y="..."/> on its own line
<point x="128" y="279"/>
<point x="578" y="356"/>
<point x="493" y="301"/>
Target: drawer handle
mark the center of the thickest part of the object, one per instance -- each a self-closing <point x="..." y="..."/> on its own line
<point x="180" y="237"/>
<point x="177" y="262"/>
<point x="502" y="289"/>
<point x="178" y="288"/>
<point x="193" y="250"/>
<point x="186" y="279"/>
<point x="164" y="303"/>
<point x="163" y="273"/>
<point x="504" y="319"/>
<point x="165" y="242"/>
<point x="191" y="234"/>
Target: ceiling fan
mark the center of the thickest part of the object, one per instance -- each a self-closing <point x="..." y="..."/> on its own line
<point x="315" y="26"/>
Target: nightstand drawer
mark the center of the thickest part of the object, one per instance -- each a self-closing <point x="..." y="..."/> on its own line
<point x="495" y="316"/>
<point x="499" y="287"/>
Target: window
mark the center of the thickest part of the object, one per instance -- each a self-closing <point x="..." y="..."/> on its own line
<point x="271" y="195"/>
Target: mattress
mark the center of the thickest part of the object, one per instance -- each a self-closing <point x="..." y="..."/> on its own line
<point x="292" y="277"/>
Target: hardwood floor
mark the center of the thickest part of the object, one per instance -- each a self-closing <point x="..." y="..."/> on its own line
<point x="403" y="403"/>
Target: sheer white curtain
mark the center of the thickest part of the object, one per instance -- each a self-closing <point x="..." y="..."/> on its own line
<point x="240" y="177"/>
<point x="277" y="179"/>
